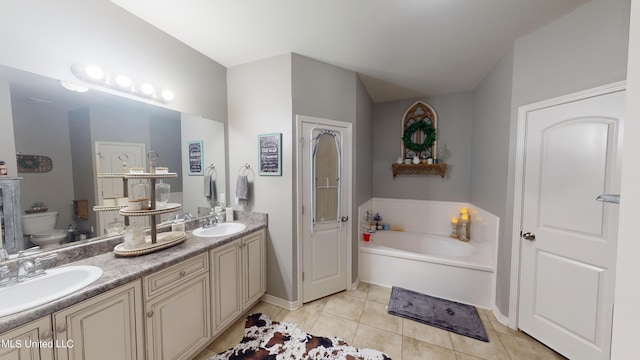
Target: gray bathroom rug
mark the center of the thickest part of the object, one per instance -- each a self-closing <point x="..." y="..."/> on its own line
<point x="449" y="315"/>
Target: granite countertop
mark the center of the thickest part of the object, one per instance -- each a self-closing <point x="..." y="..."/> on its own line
<point x="121" y="270"/>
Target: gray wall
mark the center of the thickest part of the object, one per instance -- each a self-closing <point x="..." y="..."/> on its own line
<point x="259" y="96"/>
<point x="490" y="156"/>
<point x="43" y="129"/>
<point x="165" y="138"/>
<point x="7" y="142"/>
<point x="82" y="162"/>
<point x="584" y="49"/>
<point x="455" y="114"/>
<point x="363" y="170"/>
<point x="330" y="92"/>
<point x="264" y="97"/>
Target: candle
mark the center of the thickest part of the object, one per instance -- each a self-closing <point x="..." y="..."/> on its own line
<point x="465" y="216"/>
<point x="464" y="210"/>
<point x="454" y="221"/>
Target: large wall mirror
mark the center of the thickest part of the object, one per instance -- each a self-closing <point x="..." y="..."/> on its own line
<point x="78" y="131"/>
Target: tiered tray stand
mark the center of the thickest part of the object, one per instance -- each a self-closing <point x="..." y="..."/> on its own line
<point x="154" y="241"/>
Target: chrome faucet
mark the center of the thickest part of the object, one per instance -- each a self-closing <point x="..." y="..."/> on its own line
<point x="28" y="268"/>
<point x="213" y="221"/>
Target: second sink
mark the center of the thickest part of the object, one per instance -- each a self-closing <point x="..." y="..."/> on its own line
<point x="219" y="230"/>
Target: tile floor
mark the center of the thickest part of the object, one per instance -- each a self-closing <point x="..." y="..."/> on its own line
<point x="360" y="317"/>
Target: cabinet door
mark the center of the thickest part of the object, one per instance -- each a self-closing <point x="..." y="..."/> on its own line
<point x="254" y="262"/>
<point x="227" y="280"/>
<point x="108" y="326"/>
<point x="22" y="343"/>
<point x="178" y="321"/>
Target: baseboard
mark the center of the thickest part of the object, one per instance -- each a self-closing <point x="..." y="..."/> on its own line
<point x="504" y="320"/>
<point x="354" y="285"/>
<point x="274" y="300"/>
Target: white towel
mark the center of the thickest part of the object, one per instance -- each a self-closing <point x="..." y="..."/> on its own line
<point x="242" y="190"/>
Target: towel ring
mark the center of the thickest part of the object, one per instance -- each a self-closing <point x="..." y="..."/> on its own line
<point x="244" y="169"/>
<point x="211" y="170"/>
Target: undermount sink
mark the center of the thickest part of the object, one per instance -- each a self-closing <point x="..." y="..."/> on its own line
<point x="56" y="283"/>
<point x="218" y="230"/>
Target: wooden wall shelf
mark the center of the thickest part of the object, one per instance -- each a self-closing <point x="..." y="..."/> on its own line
<point x="419" y="169"/>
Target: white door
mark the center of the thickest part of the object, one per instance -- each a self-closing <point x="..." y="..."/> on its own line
<point x="110" y="157"/>
<point x="568" y="247"/>
<point x="325" y="231"/>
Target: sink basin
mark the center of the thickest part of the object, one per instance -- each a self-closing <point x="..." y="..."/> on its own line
<point x="56" y="283"/>
<point x="223" y="229"/>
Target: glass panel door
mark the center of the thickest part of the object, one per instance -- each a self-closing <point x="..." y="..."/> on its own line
<point x="326" y="167"/>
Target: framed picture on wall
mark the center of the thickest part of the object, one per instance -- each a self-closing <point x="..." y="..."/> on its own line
<point x="270" y="154"/>
<point x="195" y="155"/>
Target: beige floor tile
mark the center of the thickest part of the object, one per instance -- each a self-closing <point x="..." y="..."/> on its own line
<point x="375" y="314"/>
<point x="268" y="309"/>
<point x="361" y="292"/>
<point x="417" y="350"/>
<point x="230" y="338"/>
<point x="461" y="356"/>
<point x="493" y="350"/>
<point x="204" y="355"/>
<point x="304" y="317"/>
<point x="500" y="327"/>
<point x="329" y="325"/>
<point x="426" y="333"/>
<point x="484" y="317"/>
<point x="345" y="306"/>
<point x="378" y="339"/>
<point x="526" y="348"/>
<point x="379" y="293"/>
<point x="320" y="303"/>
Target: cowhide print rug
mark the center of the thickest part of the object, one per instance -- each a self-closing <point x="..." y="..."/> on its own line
<point x="265" y="339"/>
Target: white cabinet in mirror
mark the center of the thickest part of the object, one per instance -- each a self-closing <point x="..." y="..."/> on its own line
<point x="81" y="134"/>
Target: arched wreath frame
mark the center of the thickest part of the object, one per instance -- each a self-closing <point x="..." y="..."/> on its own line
<point x="419" y="127"/>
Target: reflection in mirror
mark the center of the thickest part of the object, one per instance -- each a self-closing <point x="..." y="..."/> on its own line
<point x="64" y="139"/>
<point x="326" y="176"/>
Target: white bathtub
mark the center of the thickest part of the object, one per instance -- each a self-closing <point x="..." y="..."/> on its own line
<point x="432" y="264"/>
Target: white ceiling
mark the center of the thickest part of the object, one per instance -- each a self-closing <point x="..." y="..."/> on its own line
<point x="401" y="48"/>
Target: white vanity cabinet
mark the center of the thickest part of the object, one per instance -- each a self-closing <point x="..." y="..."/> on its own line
<point x="238" y="272"/>
<point x="107" y="326"/>
<point x="25" y="342"/>
<point x="177" y="310"/>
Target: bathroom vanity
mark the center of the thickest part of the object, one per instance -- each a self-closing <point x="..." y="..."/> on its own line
<point x="167" y="305"/>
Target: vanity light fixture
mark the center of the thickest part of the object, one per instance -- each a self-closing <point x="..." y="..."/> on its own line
<point x="147" y="89"/>
<point x="74" y="87"/>
<point x="123" y="81"/>
<point x="167" y="95"/>
<point x="95" y="74"/>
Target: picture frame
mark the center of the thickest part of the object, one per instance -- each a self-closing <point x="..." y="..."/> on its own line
<point x="270" y="154"/>
<point x="195" y="157"/>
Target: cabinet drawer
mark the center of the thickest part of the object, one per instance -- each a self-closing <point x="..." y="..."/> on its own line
<point x="175" y="275"/>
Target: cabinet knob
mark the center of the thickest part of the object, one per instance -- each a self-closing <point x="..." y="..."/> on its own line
<point x="61" y="328"/>
<point x="45" y="335"/>
<point x="183" y="273"/>
<point x="150" y="313"/>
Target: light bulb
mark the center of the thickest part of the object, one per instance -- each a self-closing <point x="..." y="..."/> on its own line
<point x="167" y="95"/>
<point x="147" y="89"/>
<point x="94" y="72"/>
<point x="123" y="81"/>
<point x="74" y="87"/>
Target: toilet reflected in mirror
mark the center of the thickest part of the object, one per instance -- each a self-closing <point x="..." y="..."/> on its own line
<point x="40" y="228"/>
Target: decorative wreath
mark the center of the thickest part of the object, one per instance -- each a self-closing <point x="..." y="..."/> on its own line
<point x="429" y="136"/>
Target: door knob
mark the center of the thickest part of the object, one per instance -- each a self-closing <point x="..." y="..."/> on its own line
<point x="344" y="218"/>
<point x="529" y="236"/>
